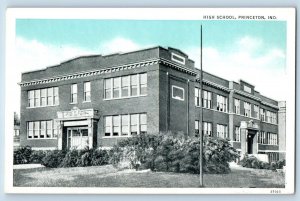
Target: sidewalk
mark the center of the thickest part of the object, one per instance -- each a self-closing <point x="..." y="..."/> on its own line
<point x="27" y="166"/>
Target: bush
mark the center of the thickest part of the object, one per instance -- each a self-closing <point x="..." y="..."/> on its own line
<point x="37" y="157"/>
<point x="253" y="162"/>
<point x="99" y="157"/>
<point x="71" y="159"/>
<point x="53" y="159"/>
<point x="174" y="153"/>
<point x="22" y="155"/>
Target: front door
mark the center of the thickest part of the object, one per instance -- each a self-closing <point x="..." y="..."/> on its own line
<point x="250" y="138"/>
<point x="77" y="137"/>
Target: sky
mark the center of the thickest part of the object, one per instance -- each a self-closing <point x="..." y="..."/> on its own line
<point x="254" y="51"/>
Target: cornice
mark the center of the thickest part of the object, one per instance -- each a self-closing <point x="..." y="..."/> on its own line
<point x="209" y="83"/>
<point x="109" y="70"/>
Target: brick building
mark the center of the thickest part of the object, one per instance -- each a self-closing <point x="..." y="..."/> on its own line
<point x="97" y="100"/>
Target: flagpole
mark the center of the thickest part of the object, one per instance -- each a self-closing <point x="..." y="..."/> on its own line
<point x="201" y="115"/>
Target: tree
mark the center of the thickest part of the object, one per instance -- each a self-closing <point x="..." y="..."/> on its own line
<point x="16" y="119"/>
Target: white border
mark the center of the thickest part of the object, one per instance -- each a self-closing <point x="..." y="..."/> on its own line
<point x="285" y="14"/>
<point x="178" y="61"/>
<point x="176" y="97"/>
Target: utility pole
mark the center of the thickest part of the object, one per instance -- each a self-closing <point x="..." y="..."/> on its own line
<point x="201" y="115"/>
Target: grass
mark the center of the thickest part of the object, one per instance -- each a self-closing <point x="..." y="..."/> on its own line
<point x="107" y="176"/>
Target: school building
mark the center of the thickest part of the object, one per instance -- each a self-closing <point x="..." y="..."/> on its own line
<point x="96" y="100"/>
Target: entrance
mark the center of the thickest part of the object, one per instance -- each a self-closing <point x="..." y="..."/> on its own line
<point x="77" y="137"/>
<point x="250" y="138"/>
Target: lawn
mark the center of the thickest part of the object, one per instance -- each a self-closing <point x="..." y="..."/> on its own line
<point x="107" y="176"/>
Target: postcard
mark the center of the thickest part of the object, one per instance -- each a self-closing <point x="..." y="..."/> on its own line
<point x="150" y="101"/>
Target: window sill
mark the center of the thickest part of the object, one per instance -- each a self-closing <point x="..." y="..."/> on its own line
<point x="86" y="101"/>
<point x="42" y="138"/>
<point x="42" y="106"/>
<point x="212" y="109"/>
<point x="123" y="136"/>
<point x="269" y="144"/>
<point x="106" y="99"/>
<point x="73" y="103"/>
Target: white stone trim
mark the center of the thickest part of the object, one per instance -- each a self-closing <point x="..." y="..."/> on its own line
<point x="177" y="55"/>
<point x="175" y="97"/>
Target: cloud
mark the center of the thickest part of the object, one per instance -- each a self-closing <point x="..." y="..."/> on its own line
<point x="263" y="70"/>
<point x="241" y="62"/>
<point x="249" y="43"/>
<point x="119" y="44"/>
<point x="32" y="55"/>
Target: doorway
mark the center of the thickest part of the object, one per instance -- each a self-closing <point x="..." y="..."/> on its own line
<point x="77" y="137"/>
<point x="250" y="138"/>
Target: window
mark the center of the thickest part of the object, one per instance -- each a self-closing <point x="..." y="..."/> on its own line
<point x="134" y="118"/>
<point x="177" y="58"/>
<point x="41" y="129"/>
<point x="247" y="109"/>
<point x="271" y="117"/>
<point x="134" y="85"/>
<point x="197" y="98"/>
<point x="143" y="123"/>
<point x="177" y="93"/>
<point x="221" y="103"/>
<point x="107" y="88"/>
<point x="207" y="128"/>
<point x="116" y="125"/>
<point x="36" y="129"/>
<point x="30" y="98"/>
<point x="268" y="117"/>
<point x="116" y="87"/>
<point x="108" y="125"/>
<point x="262" y="137"/>
<point x="272" y="139"/>
<point x="74" y="93"/>
<point x="143" y="84"/>
<point x="55" y="131"/>
<point x="196" y="128"/>
<point x="222" y="131"/>
<point x="125" y="86"/>
<point x="37" y="98"/>
<point x="50" y="96"/>
<point x="125" y="125"/>
<point x="49" y="130"/>
<point x="206" y="99"/>
<point x="43" y="97"/>
<point x="237" y="136"/>
<point x="56" y="95"/>
<point x="256" y="111"/>
<point x="247" y="89"/>
<point x="87" y="91"/>
<point x="236" y="106"/>
<point x="262" y="114"/>
<point x="30" y="130"/>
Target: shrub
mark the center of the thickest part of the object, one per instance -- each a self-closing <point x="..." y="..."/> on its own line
<point x="37" y="157"/>
<point x="53" y="159"/>
<point x="22" y="155"/>
<point x="71" y="159"/>
<point x="174" y="153"/>
<point x="99" y="157"/>
<point x="253" y="162"/>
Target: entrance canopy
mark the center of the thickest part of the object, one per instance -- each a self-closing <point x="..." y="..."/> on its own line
<point x="76" y="113"/>
<point x="77" y="128"/>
